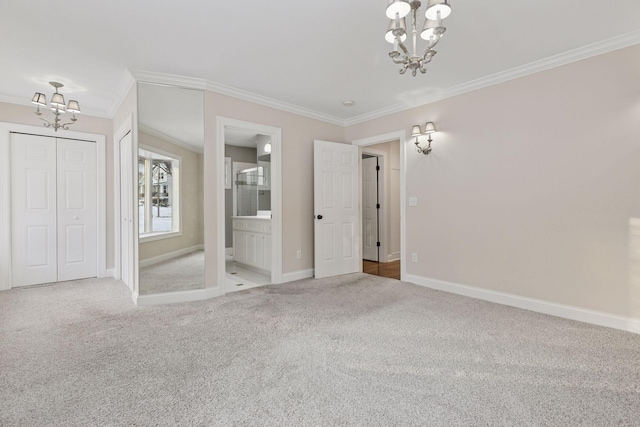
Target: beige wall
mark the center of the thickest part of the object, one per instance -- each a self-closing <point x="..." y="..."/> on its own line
<point x="298" y="134"/>
<point x="191" y="176"/>
<point x="531" y="185"/>
<point x="12" y="113"/>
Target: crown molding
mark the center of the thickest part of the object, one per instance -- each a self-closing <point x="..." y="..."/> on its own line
<point x="598" y="48"/>
<point x="273" y="103"/>
<point x="169" y="79"/>
<point x="222" y="89"/>
<point x="164" y="136"/>
<point x="131" y="76"/>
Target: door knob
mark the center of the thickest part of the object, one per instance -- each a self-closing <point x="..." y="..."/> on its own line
<point x="319" y="217"/>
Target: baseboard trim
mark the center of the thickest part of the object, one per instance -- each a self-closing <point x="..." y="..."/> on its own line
<point x="228" y="251"/>
<point x="540" y="306"/>
<point x="297" y="275"/>
<point x="394" y="256"/>
<point x="165" y="257"/>
<point x="146" y="300"/>
<point x="109" y="272"/>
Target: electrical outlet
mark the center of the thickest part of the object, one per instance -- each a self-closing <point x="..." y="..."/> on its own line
<point x="414" y="257"/>
<point x="299" y="254"/>
<point x="413" y="201"/>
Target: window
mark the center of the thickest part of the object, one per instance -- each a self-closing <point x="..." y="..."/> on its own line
<point x="158" y="193"/>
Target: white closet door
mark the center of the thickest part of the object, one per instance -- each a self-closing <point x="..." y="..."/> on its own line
<point x="33" y="210"/>
<point x="77" y="210"/>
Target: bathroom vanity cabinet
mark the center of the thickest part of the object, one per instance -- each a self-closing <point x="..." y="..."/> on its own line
<point x="252" y="242"/>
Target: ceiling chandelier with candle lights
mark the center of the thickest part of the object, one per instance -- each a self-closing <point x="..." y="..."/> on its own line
<point x="58" y="107"/>
<point x="432" y="32"/>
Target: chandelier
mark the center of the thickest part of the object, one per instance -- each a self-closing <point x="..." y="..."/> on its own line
<point x="432" y="31"/>
<point x="58" y="107"/>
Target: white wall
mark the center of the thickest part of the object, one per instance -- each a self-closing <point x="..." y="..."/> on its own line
<point x="531" y="185"/>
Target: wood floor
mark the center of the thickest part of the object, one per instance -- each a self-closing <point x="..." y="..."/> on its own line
<point x="382" y="269"/>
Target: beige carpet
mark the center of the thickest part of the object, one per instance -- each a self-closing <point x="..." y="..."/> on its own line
<point x="357" y="350"/>
<point x="182" y="273"/>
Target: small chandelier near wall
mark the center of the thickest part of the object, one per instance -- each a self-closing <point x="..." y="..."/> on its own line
<point x="432" y="32"/>
<point x="429" y="128"/>
<point x="58" y="107"/>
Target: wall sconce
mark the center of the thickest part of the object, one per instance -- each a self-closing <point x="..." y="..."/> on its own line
<point x="429" y="128"/>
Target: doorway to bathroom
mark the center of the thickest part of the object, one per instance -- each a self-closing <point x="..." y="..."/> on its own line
<point x="251" y="217"/>
<point x="247" y="209"/>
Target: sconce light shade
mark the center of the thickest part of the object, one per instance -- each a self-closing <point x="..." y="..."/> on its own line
<point x="429" y="128"/>
<point x="436" y="6"/>
<point x="267" y="147"/>
<point x="39" y="99"/>
<point x="392" y="26"/>
<point x="73" y="106"/>
<point x="401" y="7"/>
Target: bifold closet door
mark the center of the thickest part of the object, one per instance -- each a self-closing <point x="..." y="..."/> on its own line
<point x="53" y="209"/>
<point x="77" y="209"/>
<point x="33" y="210"/>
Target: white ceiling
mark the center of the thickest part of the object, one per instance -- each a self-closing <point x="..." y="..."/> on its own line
<point x="311" y="55"/>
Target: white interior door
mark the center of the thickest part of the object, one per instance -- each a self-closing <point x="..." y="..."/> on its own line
<point x="337" y="222"/>
<point x="33" y="210"/>
<point x="126" y="209"/>
<point x="370" y="209"/>
<point x="77" y="209"/>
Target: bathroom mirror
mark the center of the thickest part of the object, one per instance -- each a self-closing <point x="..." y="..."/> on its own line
<point x="170" y="188"/>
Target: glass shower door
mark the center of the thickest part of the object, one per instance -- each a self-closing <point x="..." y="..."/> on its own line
<point x="247" y="192"/>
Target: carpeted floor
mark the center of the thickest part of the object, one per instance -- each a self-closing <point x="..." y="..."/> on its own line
<point x="355" y="350"/>
<point x="185" y="272"/>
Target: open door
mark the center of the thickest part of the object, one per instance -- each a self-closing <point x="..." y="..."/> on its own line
<point x="370" y="209"/>
<point x="337" y="216"/>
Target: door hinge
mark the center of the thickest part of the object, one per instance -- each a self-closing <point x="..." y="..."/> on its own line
<point x="377" y="205"/>
<point x="378" y="244"/>
<point x="377" y="168"/>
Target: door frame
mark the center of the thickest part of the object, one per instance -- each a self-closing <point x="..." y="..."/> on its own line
<point x="275" y="133"/>
<point x="128" y="126"/>
<point x="5" y="192"/>
<point x="382" y="193"/>
<point x="400" y="135"/>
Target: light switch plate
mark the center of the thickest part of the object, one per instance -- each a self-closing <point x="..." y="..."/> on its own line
<point x="413" y="201"/>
